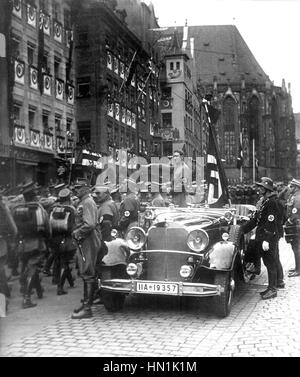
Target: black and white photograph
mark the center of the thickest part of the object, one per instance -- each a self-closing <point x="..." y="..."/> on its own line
<point x="149" y="181"/>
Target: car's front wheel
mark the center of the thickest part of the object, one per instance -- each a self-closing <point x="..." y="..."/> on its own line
<point x="223" y="302"/>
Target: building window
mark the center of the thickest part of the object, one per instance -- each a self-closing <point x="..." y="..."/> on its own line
<point x="177" y="65"/>
<point x="31" y="118"/>
<point x="57" y="122"/>
<point x="83" y="87"/>
<point x="166" y="92"/>
<point x="171" y="66"/>
<point x="67" y="18"/>
<point x="230" y="123"/>
<point x="69" y="125"/>
<point x="56" y="10"/>
<point x="45" y="120"/>
<point x="17" y="114"/>
<point x="57" y="62"/>
<point x="15" y="47"/>
<point x="84" y="132"/>
<point x="30" y="54"/>
<point x="83" y="38"/>
<point x="167" y="120"/>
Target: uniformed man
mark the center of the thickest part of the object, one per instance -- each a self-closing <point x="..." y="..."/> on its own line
<point x="269" y="222"/>
<point x="129" y="208"/>
<point x="292" y="226"/>
<point x="108" y="213"/>
<point x="33" y="229"/>
<point x="63" y="246"/>
<point x="88" y="238"/>
<point x="181" y="179"/>
<point x="8" y="230"/>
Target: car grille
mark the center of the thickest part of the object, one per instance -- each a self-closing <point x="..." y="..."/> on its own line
<point x="163" y="265"/>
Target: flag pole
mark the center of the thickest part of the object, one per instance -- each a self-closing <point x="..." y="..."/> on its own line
<point x="132" y="60"/>
<point x="253" y="152"/>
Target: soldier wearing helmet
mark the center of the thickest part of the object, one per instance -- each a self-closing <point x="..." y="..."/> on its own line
<point x="268" y="221"/>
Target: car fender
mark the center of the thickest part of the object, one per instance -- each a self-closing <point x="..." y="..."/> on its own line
<point x="222" y="256"/>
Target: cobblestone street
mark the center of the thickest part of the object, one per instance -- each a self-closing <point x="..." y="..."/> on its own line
<point x="157" y="327"/>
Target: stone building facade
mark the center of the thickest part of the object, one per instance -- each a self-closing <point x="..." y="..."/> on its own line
<point x="117" y="84"/>
<point x="37" y="91"/>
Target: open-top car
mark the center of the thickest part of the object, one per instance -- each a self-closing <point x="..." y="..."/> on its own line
<point x="193" y="252"/>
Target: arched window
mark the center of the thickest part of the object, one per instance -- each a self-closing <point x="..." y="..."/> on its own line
<point x="230" y="122"/>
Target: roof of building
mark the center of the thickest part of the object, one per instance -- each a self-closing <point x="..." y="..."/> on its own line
<point x="220" y="51"/>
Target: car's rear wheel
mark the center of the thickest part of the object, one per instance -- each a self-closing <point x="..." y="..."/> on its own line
<point x="223" y="303"/>
<point x="113" y="302"/>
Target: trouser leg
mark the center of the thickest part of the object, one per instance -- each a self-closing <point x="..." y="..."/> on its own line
<point x="62" y="279"/>
<point x="3" y="279"/>
<point x="269" y="259"/>
<point x="29" y="284"/>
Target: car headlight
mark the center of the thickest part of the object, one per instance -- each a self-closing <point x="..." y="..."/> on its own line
<point x="186" y="271"/>
<point x="135" y="238"/>
<point x="197" y="240"/>
<point x="131" y="269"/>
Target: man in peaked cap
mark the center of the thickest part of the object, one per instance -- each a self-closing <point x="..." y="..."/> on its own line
<point x="88" y="237"/>
<point x="292" y="225"/>
<point x="268" y="220"/>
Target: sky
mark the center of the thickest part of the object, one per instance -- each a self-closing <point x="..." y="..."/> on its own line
<point x="270" y="28"/>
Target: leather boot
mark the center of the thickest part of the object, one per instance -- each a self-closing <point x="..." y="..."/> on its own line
<point x="56" y="270"/>
<point x="27" y="303"/>
<point x="84" y="299"/>
<point x="60" y="286"/>
<point x="86" y="310"/>
<point x="37" y="285"/>
<point x="271" y="293"/>
<point x="69" y="276"/>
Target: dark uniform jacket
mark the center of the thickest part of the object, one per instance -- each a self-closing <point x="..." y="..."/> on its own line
<point x="108" y="215"/>
<point x="129" y="210"/>
<point x="268" y="219"/>
<point x="292" y="225"/>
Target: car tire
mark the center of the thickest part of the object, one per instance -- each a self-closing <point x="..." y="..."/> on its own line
<point x="113" y="302"/>
<point x="222" y="304"/>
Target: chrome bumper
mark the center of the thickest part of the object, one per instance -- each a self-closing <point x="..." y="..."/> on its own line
<point x="184" y="288"/>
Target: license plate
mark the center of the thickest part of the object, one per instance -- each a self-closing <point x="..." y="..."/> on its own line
<point x="159" y="288"/>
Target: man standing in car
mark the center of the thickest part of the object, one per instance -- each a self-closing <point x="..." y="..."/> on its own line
<point x="269" y="222"/>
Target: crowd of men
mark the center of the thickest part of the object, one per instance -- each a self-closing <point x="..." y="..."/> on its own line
<point x="50" y="229"/>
